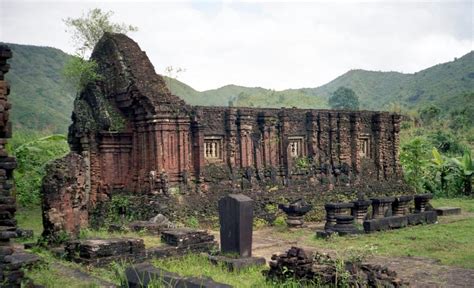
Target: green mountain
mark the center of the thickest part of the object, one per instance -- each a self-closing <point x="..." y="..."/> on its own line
<point x="435" y="85"/>
<point x="42" y="100"/>
<point x="439" y="85"/>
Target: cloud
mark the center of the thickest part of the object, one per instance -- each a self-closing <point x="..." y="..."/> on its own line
<point x="270" y="44"/>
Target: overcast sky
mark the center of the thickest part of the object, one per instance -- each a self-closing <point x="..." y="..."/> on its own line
<point x="274" y="44"/>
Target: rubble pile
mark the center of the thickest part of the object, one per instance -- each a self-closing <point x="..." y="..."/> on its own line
<point x="323" y="270"/>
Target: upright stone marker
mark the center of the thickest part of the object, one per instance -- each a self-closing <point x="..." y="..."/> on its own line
<point x="236" y="219"/>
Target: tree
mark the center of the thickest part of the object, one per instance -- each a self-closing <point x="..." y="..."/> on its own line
<point x="344" y="98"/>
<point x="86" y="32"/>
<point x="429" y="113"/>
<point x="88" y="29"/>
<point x="466" y="166"/>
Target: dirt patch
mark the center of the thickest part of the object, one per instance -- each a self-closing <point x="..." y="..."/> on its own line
<point x="418" y="271"/>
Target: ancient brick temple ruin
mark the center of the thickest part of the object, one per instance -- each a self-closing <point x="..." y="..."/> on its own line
<point x="11" y="274"/>
<point x="130" y="133"/>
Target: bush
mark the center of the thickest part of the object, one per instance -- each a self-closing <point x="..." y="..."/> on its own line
<point x="33" y="151"/>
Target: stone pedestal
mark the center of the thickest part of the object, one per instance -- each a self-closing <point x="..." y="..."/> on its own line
<point x="421" y="201"/>
<point x="400" y="205"/>
<point x="359" y="211"/>
<point x="448" y="211"/>
<point x="295" y="212"/>
<point x="380" y="206"/>
<point x="345" y="225"/>
<point x="335" y="209"/>
<point x="236" y="220"/>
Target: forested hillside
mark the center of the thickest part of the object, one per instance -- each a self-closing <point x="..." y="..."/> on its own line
<point x="439" y="85"/>
<point x="42" y="100"/>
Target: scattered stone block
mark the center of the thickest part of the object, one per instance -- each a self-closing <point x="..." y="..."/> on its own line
<point x="303" y="266"/>
<point x="235" y="264"/>
<point x="427" y="217"/>
<point x="144" y="274"/>
<point x="395" y="222"/>
<point x="22" y="259"/>
<point x="448" y="211"/>
<point x="100" y="251"/>
<point x="387" y="223"/>
<point x="182" y="237"/>
<point x="160" y="219"/>
<point x="236" y="222"/>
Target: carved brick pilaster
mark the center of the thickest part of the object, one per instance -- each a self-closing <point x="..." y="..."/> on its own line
<point x="285" y="159"/>
<point x="355" y="133"/>
<point x="344" y="138"/>
<point x="244" y="122"/>
<point x="231" y="136"/>
<point x="312" y="134"/>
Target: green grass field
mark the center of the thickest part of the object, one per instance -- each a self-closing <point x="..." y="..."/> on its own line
<point x="451" y="241"/>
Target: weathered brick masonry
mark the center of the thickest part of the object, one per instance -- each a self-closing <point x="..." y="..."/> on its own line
<point x="11" y="274"/>
<point x="132" y="134"/>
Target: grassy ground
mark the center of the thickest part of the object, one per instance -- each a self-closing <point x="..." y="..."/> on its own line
<point x="451" y="240"/>
<point x="30" y="218"/>
<point x="198" y="265"/>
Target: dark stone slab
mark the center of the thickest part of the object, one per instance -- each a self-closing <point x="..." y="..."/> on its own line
<point x="395" y="222"/>
<point x="144" y="274"/>
<point x="448" y="211"/>
<point x="236" y="221"/>
<point x="19" y="260"/>
<point x="427" y="217"/>
<point x="387" y="223"/>
<point x="98" y="248"/>
<point x="235" y="264"/>
<point x="182" y="237"/>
